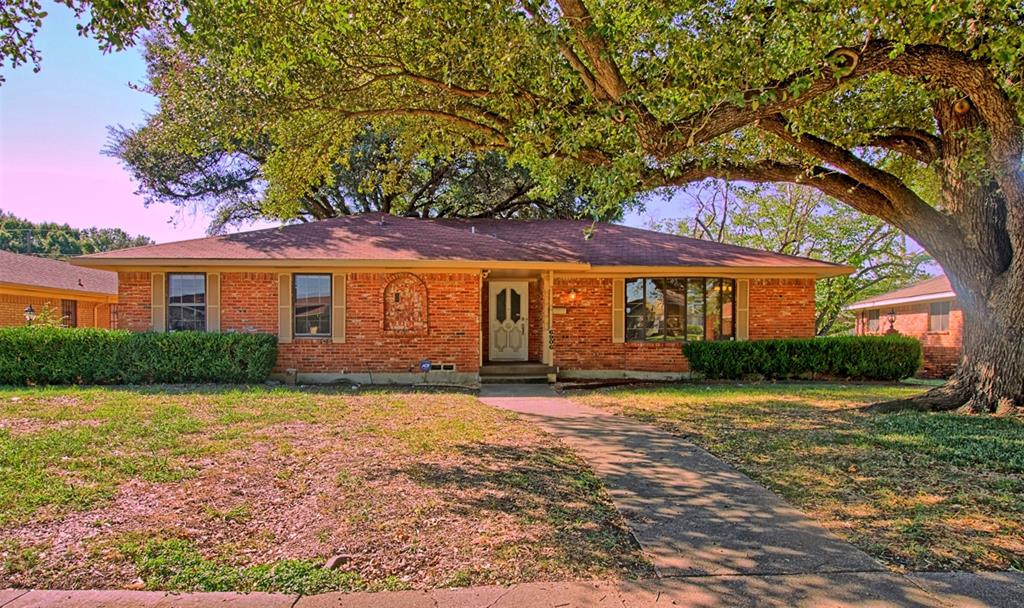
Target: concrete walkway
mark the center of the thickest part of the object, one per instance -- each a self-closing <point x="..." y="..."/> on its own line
<point x="693" y="514"/>
<point x="837" y="590"/>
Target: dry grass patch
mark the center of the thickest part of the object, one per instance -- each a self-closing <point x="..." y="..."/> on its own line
<point x="922" y="491"/>
<point x="252" y="489"/>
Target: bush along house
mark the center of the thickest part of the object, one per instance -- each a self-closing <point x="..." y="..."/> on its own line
<point x="378" y="298"/>
<point x="928" y="311"/>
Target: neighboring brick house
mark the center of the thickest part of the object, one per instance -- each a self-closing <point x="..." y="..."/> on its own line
<point x="927" y="311"/>
<point x="378" y="298"/>
<point x="83" y="297"/>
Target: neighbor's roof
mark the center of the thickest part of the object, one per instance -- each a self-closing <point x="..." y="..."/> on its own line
<point x="381" y="239"/>
<point x="935" y="288"/>
<point x="42" y="273"/>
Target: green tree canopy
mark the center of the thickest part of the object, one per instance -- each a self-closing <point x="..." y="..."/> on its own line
<point x="53" y="240"/>
<point x="176" y="159"/>
<point x="797" y="220"/>
<point x="906" y="110"/>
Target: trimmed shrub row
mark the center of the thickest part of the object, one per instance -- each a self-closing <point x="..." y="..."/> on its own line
<point x="55" y="355"/>
<point x="853" y="357"/>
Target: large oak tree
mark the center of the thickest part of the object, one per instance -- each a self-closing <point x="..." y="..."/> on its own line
<point x="906" y="110"/>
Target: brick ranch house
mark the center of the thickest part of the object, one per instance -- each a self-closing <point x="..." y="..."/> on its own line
<point x="928" y="311"/>
<point x="379" y="298"/>
<point x="83" y="297"/>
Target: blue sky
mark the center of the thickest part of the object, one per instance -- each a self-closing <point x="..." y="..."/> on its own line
<point x="53" y="125"/>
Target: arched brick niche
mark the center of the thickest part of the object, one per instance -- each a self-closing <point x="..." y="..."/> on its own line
<point x="406" y="307"/>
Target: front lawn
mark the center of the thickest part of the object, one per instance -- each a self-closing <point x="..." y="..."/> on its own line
<point x="921" y="491"/>
<point x="253" y="489"/>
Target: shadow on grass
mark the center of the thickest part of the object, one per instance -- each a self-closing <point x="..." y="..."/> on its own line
<point x="546" y="486"/>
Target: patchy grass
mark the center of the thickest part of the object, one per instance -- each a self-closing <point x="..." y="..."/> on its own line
<point x="209" y="488"/>
<point x="922" y="491"/>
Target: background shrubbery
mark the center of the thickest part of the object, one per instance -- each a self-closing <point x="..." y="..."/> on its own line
<point x="854" y="357"/>
<point x="54" y="355"/>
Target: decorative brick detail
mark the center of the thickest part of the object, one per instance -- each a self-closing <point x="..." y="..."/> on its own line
<point x="453" y="335"/>
<point x="942" y="349"/>
<point x="406" y="305"/>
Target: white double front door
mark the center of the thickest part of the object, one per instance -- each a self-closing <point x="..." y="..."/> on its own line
<point x="508" y="325"/>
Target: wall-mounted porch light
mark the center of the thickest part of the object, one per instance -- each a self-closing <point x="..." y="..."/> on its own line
<point x="30" y="314"/>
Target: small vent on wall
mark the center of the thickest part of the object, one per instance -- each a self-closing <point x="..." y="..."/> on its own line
<point x="442" y="367"/>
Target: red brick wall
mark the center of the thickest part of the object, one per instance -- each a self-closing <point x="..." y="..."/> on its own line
<point x="583" y="335"/>
<point x="133" y="301"/>
<point x="453" y="335"/>
<point x="12" y="310"/>
<point x="248" y="302"/>
<point x="779" y="308"/>
<point x="941" y="349"/>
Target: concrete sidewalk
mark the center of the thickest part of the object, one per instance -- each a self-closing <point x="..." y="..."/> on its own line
<point x="692" y="513"/>
<point x="836" y="590"/>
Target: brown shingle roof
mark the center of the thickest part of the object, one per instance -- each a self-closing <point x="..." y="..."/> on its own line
<point x="368" y="236"/>
<point x="376" y="236"/>
<point x="31" y="271"/>
<point x="937" y="287"/>
<point x="617" y="245"/>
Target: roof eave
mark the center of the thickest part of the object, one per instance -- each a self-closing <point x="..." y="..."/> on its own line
<point x="929" y="297"/>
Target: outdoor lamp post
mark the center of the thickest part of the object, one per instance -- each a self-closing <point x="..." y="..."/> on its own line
<point x="30" y="314"/>
<point x="891" y="318"/>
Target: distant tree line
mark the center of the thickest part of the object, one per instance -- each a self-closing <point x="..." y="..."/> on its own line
<point x="53" y="240"/>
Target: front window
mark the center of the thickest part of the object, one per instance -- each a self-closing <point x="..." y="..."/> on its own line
<point x="186" y="302"/>
<point x="312" y="305"/>
<point x="694" y="308"/>
<point x="938" y="316"/>
<point x="69" y="312"/>
<point x="873" y="320"/>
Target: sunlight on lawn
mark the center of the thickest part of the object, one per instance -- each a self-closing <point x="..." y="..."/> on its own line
<point x="920" y="490"/>
<point x="220" y="489"/>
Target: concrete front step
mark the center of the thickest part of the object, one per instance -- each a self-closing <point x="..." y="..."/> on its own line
<point x="501" y="373"/>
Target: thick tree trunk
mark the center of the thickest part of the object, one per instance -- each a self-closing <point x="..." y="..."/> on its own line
<point x="990" y="377"/>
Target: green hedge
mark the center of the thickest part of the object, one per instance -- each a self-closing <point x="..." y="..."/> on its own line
<point x="54" y="355"/>
<point x="854" y="357"/>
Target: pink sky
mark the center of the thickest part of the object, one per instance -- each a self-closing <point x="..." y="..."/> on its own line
<point x="53" y="125"/>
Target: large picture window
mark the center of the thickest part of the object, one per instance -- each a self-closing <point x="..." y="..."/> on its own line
<point x="186" y="302"/>
<point x="693" y="308"/>
<point x="312" y="305"/>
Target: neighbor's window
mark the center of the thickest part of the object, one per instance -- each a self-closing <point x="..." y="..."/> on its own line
<point x="873" y="320"/>
<point x="186" y="302"/>
<point x="938" y="316"/>
<point x="69" y="312"/>
<point x="312" y="304"/>
<point x="694" y="308"/>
